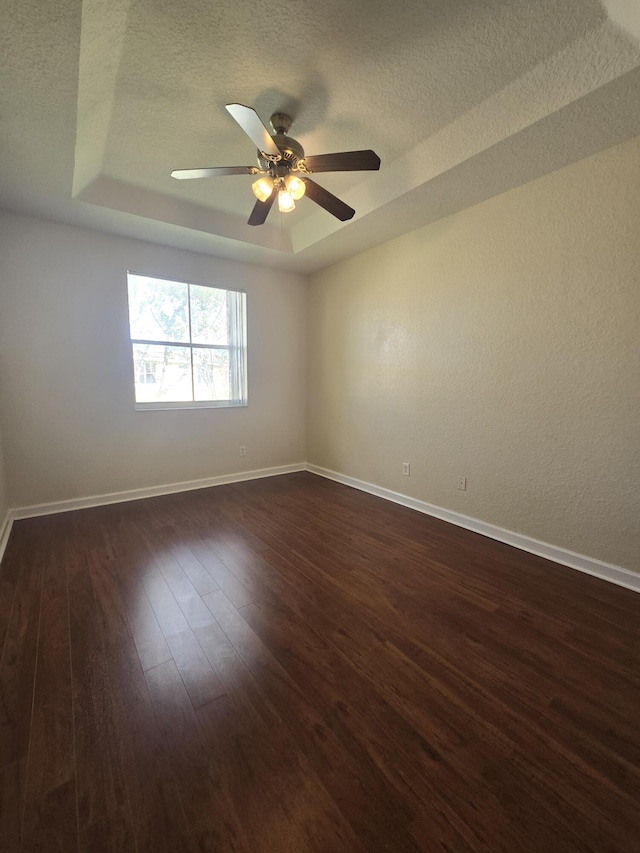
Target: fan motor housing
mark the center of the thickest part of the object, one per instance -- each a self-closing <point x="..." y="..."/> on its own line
<point x="290" y="149"/>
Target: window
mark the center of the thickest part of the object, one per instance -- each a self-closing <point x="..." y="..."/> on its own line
<point x="145" y="372"/>
<point x="188" y="343"/>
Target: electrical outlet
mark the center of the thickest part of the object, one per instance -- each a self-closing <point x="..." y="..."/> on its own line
<point x="406" y="469"/>
<point x="243" y="450"/>
<point x="462" y="484"/>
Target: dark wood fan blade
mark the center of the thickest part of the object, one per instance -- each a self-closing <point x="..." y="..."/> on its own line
<point x="214" y="172"/>
<point x="249" y="121"/>
<point x="343" y="161"/>
<point x="261" y="209"/>
<point x="328" y="200"/>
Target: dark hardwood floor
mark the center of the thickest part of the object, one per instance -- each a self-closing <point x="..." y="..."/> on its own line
<point x="292" y="665"/>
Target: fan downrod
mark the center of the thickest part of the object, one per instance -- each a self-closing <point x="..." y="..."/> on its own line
<point x="281" y="123"/>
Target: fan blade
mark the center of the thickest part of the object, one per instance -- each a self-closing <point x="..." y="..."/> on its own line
<point x="328" y="200"/>
<point x="215" y="172"/>
<point x="261" y="209"/>
<point x="343" y="161"/>
<point x="250" y="122"/>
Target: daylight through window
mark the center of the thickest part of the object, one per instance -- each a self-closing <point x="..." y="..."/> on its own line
<point x="188" y="343"/>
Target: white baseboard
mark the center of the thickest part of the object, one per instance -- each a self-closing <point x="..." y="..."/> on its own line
<point x="151" y="491"/>
<point x="605" y="571"/>
<point x="5" y="530"/>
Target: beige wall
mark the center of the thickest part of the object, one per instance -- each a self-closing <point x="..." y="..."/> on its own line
<point x="67" y="411"/>
<point x="502" y="343"/>
<point x="4" y="496"/>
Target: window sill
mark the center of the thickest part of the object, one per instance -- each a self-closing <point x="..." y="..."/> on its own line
<point x="201" y="404"/>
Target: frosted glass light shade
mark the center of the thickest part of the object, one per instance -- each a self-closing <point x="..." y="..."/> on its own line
<point x="263" y="187"/>
<point x="296" y="186"/>
<point x="285" y="201"/>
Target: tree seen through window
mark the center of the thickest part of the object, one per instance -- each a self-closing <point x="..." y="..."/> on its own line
<point x="188" y="343"/>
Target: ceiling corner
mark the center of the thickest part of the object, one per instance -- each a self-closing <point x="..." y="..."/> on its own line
<point x="625" y="15"/>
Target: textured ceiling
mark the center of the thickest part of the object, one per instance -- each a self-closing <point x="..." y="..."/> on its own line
<point x="100" y="100"/>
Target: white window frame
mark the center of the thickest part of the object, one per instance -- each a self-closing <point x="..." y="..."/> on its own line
<point x="237" y="349"/>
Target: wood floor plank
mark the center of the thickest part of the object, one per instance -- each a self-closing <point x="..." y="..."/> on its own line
<point x="158" y="544"/>
<point x="195" y="610"/>
<point x="228" y="546"/>
<point x="18" y="663"/>
<point x="51" y="756"/>
<point x="235" y="591"/>
<point x="12" y="790"/>
<point x="151" y="805"/>
<point x="9" y="573"/>
<point x="100" y="775"/>
<point x="193" y="569"/>
<point x="166" y="608"/>
<point x="260" y="767"/>
<point x="111" y="834"/>
<point x="199" y="679"/>
<point x="369" y="803"/>
<point x="51" y="826"/>
<point x="208" y="809"/>
<point x="201" y="682"/>
<point x="147" y="634"/>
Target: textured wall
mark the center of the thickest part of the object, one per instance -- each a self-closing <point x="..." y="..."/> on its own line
<point x="4" y="497"/>
<point x="67" y="411"/>
<point x="501" y="343"/>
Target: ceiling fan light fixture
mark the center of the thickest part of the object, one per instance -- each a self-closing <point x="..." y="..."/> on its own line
<point x="295" y="186"/>
<point x="285" y="201"/>
<point x="280" y="159"/>
<point x="263" y="187"/>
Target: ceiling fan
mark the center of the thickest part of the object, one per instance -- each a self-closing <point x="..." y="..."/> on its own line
<point x="283" y="168"/>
